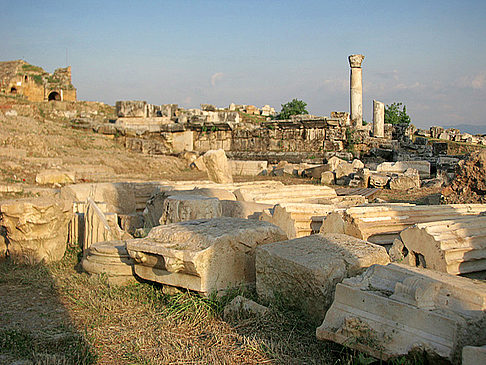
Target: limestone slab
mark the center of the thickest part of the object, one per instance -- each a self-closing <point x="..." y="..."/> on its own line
<point x="304" y="271"/>
<point x="204" y="255"/>
<point x="391" y="310"/>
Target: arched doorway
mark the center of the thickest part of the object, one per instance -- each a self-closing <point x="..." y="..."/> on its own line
<point x="54" y="95"/>
<point x="13" y="90"/>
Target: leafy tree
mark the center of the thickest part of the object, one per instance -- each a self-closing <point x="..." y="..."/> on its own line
<point x="396" y="114"/>
<point x="294" y="107"/>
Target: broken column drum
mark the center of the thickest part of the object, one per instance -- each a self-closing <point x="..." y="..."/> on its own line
<point x="356" y="90"/>
<point x="378" y="119"/>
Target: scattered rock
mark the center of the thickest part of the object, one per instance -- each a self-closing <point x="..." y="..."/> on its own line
<point x="218" y="167"/>
<point x="243" y="306"/>
<point x="51" y="177"/>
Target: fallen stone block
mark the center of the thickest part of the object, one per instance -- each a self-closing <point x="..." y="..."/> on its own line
<point x="35" y="229"/>
<point x="298" y="219"/>
<point x="180" y="208"/>
<point x="391" y="310"/>
<point x="111" y="259"/>
<point x="423" y="167"/>
<point x="378" y="180"/>
<point x="474" y="355"/>
<point x="241" y="306"/>
<point x="405" y="182"/>
<point x="52" y="177"/>
<point x="204" y="255"/>
<point x="100" y="226"/>
<point x="327" y="178"/>
<point x="246" y="210"/>
<point x="286" y="194"/>
<point x="218" y="168"/>
<point x="304" y="271"/>
<point x="247" y="168"/>
<point x="456" y="246"/>
<point x="382" y="224"/>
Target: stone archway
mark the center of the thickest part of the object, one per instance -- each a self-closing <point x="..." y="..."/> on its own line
<point x="13" y="90"/>
<point x="54" y="95"/>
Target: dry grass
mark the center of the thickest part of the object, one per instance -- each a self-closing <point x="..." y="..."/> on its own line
<point x="56" y="315"/>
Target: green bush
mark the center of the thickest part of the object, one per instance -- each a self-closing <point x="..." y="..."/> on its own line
<point x="294" y="107"/>
<point x="396" y="113"/>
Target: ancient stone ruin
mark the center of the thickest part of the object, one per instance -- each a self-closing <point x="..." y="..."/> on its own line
<point x="383" y="278"/>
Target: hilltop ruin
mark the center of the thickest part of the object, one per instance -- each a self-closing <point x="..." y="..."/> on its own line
<point x="35" y="84"/>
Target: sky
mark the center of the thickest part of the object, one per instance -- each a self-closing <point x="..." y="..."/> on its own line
<point x="429" y="55"/>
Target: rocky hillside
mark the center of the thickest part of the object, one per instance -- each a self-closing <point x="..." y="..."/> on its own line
<point x="38" y="136"/>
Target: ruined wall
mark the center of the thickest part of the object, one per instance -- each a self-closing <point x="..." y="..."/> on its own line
<point x="35" y="84"/>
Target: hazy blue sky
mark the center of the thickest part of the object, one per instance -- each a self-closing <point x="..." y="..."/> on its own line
<point x="430" y="55"/>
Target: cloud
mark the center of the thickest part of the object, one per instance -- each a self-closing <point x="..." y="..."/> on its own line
<point x="388" y="75"/>
<point x="477" y="82"/>
<point x="215" y="77"/>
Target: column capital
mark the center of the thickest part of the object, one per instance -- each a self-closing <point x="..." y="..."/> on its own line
<point x="355" y="60"/>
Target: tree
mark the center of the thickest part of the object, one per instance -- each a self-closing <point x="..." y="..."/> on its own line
<point x="294" y="107"/>
<point x="396" y="114"/>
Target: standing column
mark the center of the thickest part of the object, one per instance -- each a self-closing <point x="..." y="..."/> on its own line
<point x="378" y="119"/>
<point x="356" y="90"/>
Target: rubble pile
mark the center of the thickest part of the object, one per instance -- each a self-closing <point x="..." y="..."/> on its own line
<point x="469" y="184"/>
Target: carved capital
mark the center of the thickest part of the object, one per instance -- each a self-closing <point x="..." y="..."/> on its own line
<point x="355" y="60"/>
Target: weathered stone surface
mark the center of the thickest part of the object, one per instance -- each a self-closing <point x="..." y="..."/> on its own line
<point x="247" y="168"/>
<point x="378" y="180"/>
<point x="130" y="222"/>
<point x="204" y="255"/>
<point x="378" y="119"/>
<point x="357" y="164"/>
<point x="343" y="169"/>
<point x="334" y="162"/>
<point x="180" y="208"/>
<point x="455" y="246"/>
<point x="241" y="306"/>
<point x="404" y="182"/>
<point x="221" y="194"/>
<point x="110" y="258"/>
<point x="298" y="219"/>
<point x="119" y="197"/>
<point x="304" y="271"/>
<point x="131" y="108"/>
<point x="199" y="164"/>
<point x="219" y="170"/>
<point x="35" y="229"/>
<point x="474" y="355"/>
<point x="285" y="194"/>
<point x="246" y="210"/>
<point x="100" y="227"/>
<point x="51" y="177"/>
<point x="382" y="224"/>
<point x="327" y="178"/>
<point x="423" y="167"/>
<point x="391" y="310"/>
